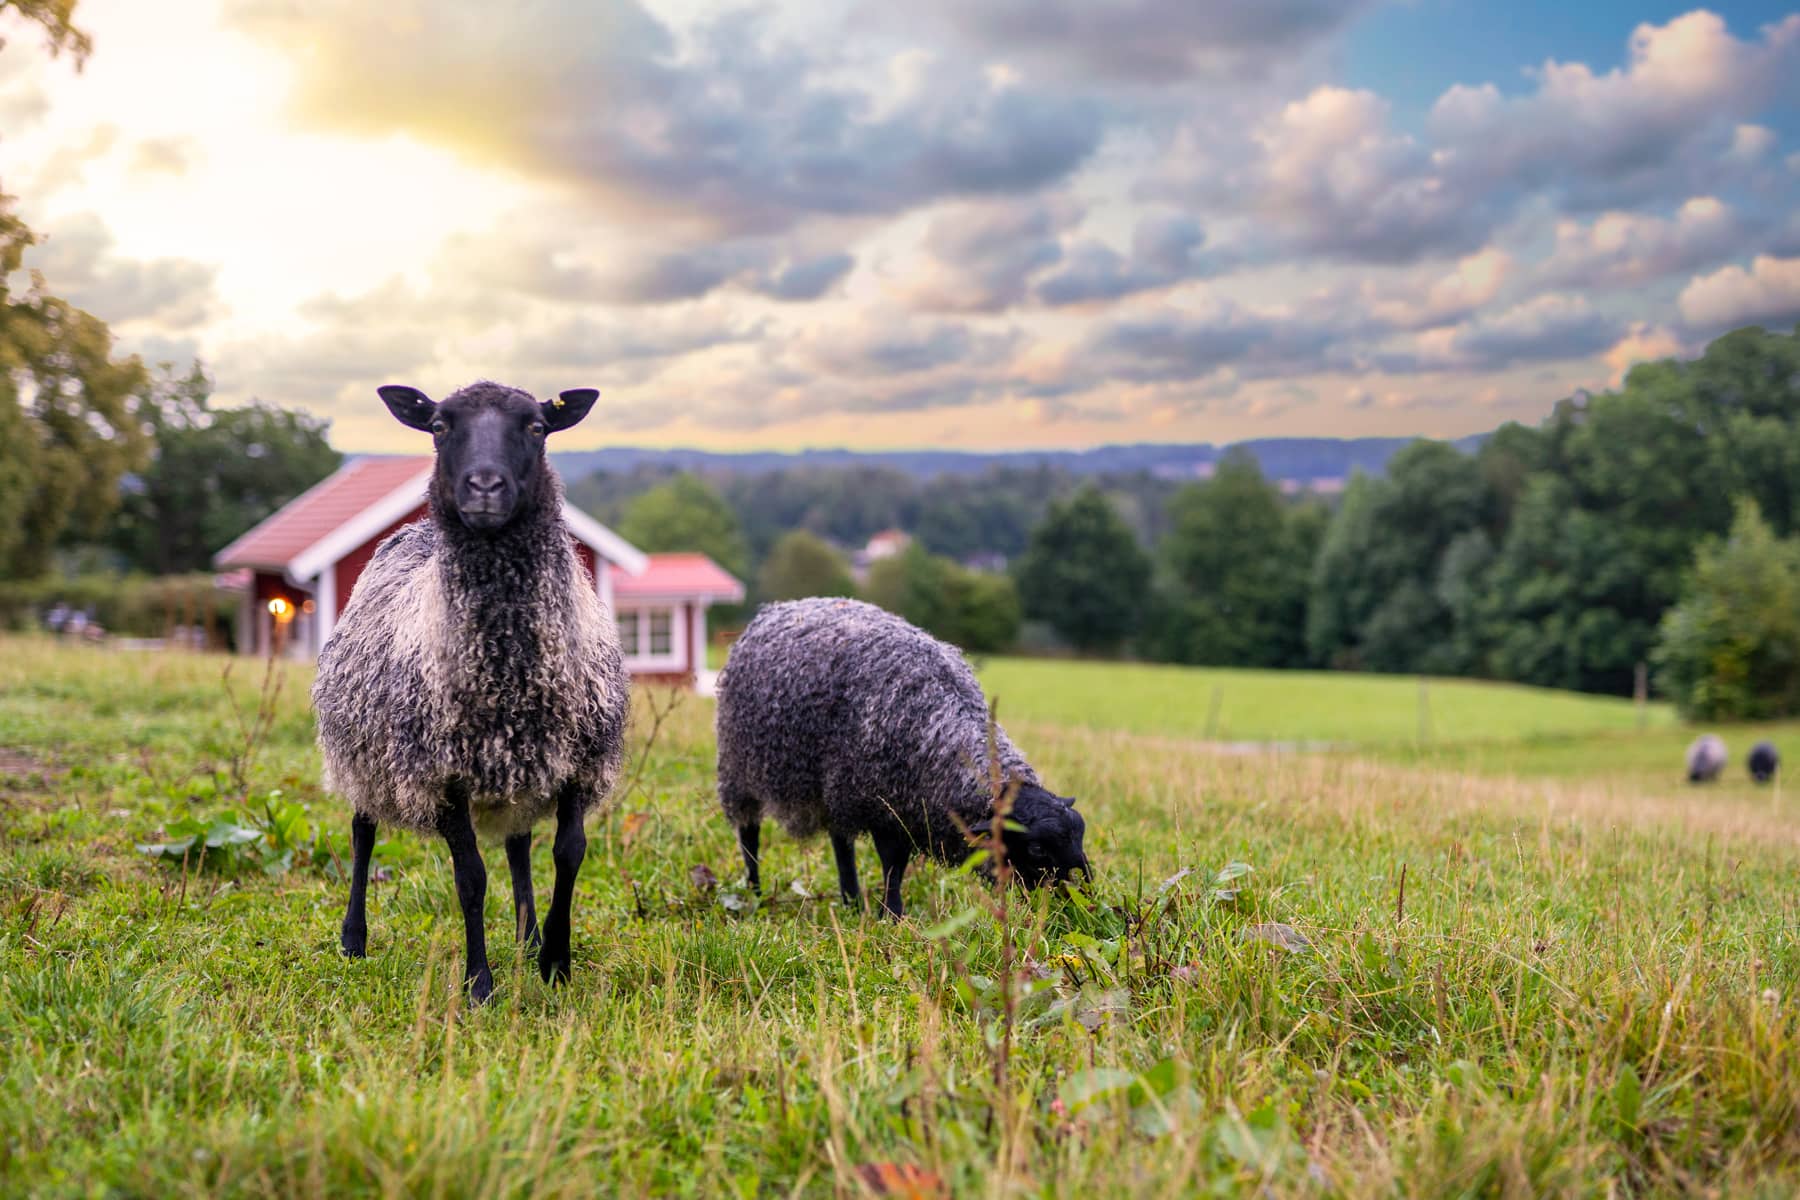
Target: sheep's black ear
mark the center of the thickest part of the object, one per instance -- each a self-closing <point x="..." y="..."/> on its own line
<point x="1069" y="800"/>
<point x="568" y="408"/>
<point x="409" y="405"/>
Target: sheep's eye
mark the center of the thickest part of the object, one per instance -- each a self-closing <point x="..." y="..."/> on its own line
<point x="537" y="429"/>
<point x="439" y="428"/>
<point x="1034" y="850"/>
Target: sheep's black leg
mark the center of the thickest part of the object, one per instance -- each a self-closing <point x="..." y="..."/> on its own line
<point x="458" y="831"/>
<point x="518" y="861"/>
<point x="894" y="852"/>
<point x="844" y="849"/>
<point x="567" y="852"/>
<point x="355" y="936"/>
<point x="750" y="843"/>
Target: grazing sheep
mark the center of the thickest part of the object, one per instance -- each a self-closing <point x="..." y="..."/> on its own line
<point x="474" y="683"/>
<point x="837" y="715"/>
<point x="1706" y="758"/>
<point x="1765" y="760"/>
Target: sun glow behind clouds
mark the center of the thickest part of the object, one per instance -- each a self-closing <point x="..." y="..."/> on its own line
<point x="282" y="214"/>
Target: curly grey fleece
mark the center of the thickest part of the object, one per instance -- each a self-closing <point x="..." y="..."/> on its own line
<point x="837" y="714"/>
<point x="490" y="661"/>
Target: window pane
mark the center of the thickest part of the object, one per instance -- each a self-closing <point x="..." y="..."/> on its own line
<point x="628" y="632"/>
<point x="662" y="623"/>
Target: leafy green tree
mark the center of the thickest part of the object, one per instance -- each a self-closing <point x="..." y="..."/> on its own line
<point x="67" y="451"/>
<point x="1374" y="597"/>
<point x="214" y="473"/>
<point x="63" y="453"/>
<point x="972" y="609"/>
<point x="1084" y="573"/>
<point x="686" y="514"/>
<point x="985" y="610"/>
<point x="1626" y="486"/>
<point x="1238" y="560"/>
<point x="803" y="564"/>
<point x="1730" y="650"/>
<point x="912" y="584"/>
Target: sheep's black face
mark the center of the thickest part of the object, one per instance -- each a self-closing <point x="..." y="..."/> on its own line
<point x="490" y="445"/>
<point x="1047" y="846"/>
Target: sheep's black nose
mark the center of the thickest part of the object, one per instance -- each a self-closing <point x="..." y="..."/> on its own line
<point x="485" y="483"/>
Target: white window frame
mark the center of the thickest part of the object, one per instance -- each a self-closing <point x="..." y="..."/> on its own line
<point x="645" y="662"/>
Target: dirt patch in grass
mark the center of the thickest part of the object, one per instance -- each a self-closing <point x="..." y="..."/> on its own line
<point x="20" y="768"/>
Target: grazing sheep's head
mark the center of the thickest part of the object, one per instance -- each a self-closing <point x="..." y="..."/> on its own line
<point x="490" y="445"/>
<point x="1047" y="845"/>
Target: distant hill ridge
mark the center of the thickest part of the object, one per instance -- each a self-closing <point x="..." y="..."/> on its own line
<point x="1298" y="460"/>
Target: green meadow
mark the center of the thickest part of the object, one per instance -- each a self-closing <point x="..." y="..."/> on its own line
<point x="1505" y="953"/>
<point x="1297" y="706"/>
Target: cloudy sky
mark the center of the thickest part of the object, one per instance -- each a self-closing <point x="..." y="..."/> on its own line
<point x="950" y="223"/>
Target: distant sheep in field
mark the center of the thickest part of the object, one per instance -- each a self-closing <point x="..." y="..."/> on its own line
<point x="1706" y="758"/>
<point x="474" y="683"/>
<point x="836" y="715"/>
<point x="1765" y="761"/>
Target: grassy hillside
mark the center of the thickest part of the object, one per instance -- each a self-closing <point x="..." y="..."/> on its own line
<point x="1562" y="988"/>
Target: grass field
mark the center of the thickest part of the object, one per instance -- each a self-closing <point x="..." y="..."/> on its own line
<point x="1578" y="983"/>
<point x="1295" y="706"/>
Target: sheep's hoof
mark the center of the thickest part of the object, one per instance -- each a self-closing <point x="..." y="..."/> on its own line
<point x="355" y="943"/>
<point x="554" y="970"/>
<point x="481" y="986"/>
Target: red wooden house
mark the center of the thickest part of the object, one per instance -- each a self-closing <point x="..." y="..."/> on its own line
<point x="304" y="561"/>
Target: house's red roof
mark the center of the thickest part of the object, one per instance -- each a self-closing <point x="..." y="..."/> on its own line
<point x="679" y="575"/>
<point x="317" y="513"/>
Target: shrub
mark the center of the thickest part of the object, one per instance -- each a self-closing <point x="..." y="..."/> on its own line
<point x="971" y="609"/>
<point x="803" y="564"/>
<point x="1730" y="648"/>
<point x="129" y="605"/>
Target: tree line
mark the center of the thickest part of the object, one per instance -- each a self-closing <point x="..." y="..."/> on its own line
<point x="1553" y="554"/>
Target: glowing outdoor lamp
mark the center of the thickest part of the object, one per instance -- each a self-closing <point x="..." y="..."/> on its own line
<point x="281" y="610"/>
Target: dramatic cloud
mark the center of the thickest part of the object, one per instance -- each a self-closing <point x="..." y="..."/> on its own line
<point x="1181" y="345"/>
<point x="1625" y="249"/>
<point x="726" y="127"/>
<point x="77" y="260"/>
<point x="1598" y="137"/>
<point x="1550" y="328"/>
<point x="990" y="257"/>
<point x="1166" y="249"/>
<point x="990" y="223"/>
<point x="1414" y="302"/>
<point x="1336" y="177"/>
<point x="1767" y="294"/>
<point x="1332" y="177"/>
<point x="586" y="342"/>
<point x="558" y="267"/>
<point x="980" y="258"/>
<point x="883" y="346"/>
<point x="1157" y="40"/>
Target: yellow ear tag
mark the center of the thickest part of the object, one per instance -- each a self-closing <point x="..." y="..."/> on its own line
<point x="557" y="403"/>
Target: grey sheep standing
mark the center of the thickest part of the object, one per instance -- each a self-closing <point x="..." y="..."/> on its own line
<point x="1765" y="760"/>
<point x="474" y="683"/>
<point x="1706" y="758"/>
<point x="836" y="715"/>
